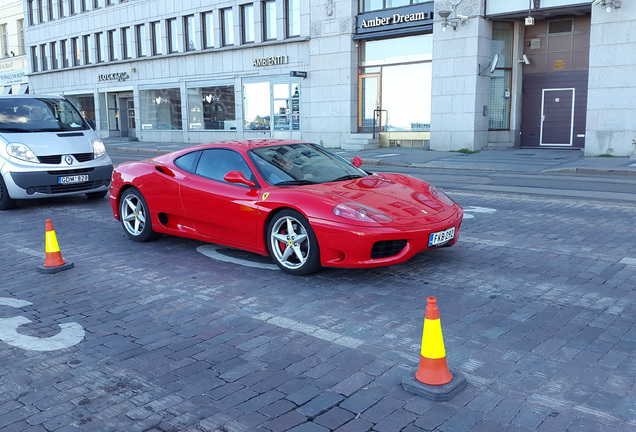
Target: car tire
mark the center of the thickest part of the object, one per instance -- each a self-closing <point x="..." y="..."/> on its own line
<point x="292" y="243"/>
<point x="96" y="195"/>
<point x="135" y="216"/>
<point x="6" y="202"/>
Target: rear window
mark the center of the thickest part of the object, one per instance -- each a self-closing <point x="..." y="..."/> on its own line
<point x="39" y="114"/>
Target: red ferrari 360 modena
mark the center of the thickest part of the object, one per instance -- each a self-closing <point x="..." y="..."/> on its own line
<point x="295" y="201"/>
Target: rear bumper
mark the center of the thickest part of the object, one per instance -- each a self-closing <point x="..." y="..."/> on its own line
<point x="343" y="245"/>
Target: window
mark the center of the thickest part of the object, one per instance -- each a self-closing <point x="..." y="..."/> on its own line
<point x="286" y="106"/>
<point x="208" y="30"/>
<point x="97" y="4"/>
<point x="247" y="13"/>
<point x="173" y="40"/>
<point x="30" y="12"/>
<point x="88" y="53"/>
<point x="112" y="45"/>
<point x="34" y="58"/>
<point x="140" y="31"/>
<point x="4" y="41"/>
<point x="126" y="43"/>
<point x="100" y="47"/>
<point x="60" y="9"/>
<point x="227" y="20"/>
<point x="43" y="58"/>
<point x="83" y="6"/>
<point x="215" y="163"/>
<point x="269" y="20"/>
<point x="20" y="24"/>
<point x="501" y="78"/>
<point x="188" y="32"/>
<point x="53" y="49"/>
<point x="155" y="31"/>
<point x="370" y="5"/>
<point x="64" y="53"/>
<point x="73" y="6"/>
<point x="161" y="109"/>
<point x="75" y="51"/>
<point x="49" y="10"/>
<point x="212" y="108"/>
<point x="256" y="104"/>
<point x="40" y="12"/>
<point x="293" y="18"/>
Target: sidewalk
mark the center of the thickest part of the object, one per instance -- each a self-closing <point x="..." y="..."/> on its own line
<point x="570" y="161"/>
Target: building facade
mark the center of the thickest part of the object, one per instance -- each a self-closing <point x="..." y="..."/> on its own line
<point x="13" y="60"/>
<point x="444" y="75"/>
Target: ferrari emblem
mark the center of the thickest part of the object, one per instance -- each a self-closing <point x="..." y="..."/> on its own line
<point x="265" y="195"/>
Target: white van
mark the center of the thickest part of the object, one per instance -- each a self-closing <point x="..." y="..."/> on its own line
<point x="47" y="149"/>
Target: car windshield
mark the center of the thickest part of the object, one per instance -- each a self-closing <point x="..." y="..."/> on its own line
<point x="298" y="164"/>
<point x="39" y="114"/>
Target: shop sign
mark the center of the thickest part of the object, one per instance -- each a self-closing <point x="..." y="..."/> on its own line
<point x="269" y="61"/>
<point x="117" y="76"/>
<point x="298" y="74"/>
<point x="16" y="76"/>
<point x="410" y="18"/>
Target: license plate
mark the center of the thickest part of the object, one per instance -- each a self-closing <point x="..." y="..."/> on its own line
<point x="74" y="179"/>
<point x="441" y="237"/>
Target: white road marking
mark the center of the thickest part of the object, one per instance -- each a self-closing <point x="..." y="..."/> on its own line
<point x="628" y="261"/>
<point x="468" y="211"/>
<point x="210" y="250"/>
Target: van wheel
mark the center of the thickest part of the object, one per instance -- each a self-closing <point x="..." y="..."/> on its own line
<point x="96" y="195"/>
<point x="6" y="202"/>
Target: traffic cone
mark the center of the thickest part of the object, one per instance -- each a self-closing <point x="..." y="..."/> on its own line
<point x="433" y="369"/>
<point x="53" y="263"/>
<point x="433" y="379"/>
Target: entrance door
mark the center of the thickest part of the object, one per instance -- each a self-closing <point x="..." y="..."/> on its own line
<point x="128" y="122"/>
<point x="369" y="103"/>
<point x="557" y="117"/>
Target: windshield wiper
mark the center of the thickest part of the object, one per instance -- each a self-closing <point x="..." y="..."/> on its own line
<point x="295" y="183"/>
<point x="347" y="177"/>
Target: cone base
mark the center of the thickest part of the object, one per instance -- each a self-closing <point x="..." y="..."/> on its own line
<point x="57" y="269"/>
<point x="437" y="393"/>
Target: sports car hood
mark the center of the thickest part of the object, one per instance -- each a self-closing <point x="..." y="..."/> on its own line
<point x="406" y="200"/>
<point x="53" y="143"/>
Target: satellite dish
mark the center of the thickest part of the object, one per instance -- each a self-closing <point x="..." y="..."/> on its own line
<point x="493" y="63"/>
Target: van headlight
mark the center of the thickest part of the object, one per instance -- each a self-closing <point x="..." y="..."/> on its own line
<point x="22" y="152"/>
<point x="99" y="149"/>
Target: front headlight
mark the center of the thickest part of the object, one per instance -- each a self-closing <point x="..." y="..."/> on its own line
<point x="22" y="152"/>
<point x="440" y="196"/>
<point x="360" y="213"/>
<point x="99" y="149"/>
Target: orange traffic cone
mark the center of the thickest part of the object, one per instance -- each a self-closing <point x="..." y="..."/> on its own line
<point x="53" y="262"/>
<point x="433" y="378"/>
<point x="433" y="369"/>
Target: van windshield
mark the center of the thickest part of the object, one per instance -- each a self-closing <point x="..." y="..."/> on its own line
<point x="39" y="114"/>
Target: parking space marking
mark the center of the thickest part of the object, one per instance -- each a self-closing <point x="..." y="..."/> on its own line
<point x="70" y="334"/>
<point x="211" y="251"/>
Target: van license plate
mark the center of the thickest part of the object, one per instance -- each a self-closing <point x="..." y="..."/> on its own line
<point x="66" y="180"/>
<point x="441" y="237"/>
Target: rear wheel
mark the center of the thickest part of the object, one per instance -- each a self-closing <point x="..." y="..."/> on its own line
<point x="293" y="244"/>
<point x="135" y="216"/>
<point x="6" y="202"/>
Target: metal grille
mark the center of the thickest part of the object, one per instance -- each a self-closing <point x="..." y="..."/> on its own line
<point x="57" y="159"/>
<point x="383" y="249"/>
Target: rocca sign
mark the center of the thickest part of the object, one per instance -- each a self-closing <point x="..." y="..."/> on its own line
<point x="117" y="76"/>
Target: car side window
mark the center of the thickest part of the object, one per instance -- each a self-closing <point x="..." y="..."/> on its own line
<point x="188" y="161"/>
<point x="215" y="163"/>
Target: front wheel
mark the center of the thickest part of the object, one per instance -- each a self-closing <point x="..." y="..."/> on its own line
<point x="135" y="216"/>
<point x="6" y="202"/>
<point x="292" y="243"/>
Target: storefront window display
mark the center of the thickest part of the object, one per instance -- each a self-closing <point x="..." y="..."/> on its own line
<point x="160" y="109"/>
<point x="272" y="106"/>
<point x="395" y="84"/>
<point x="86" y="106"/>
<point x="212" y="108"/>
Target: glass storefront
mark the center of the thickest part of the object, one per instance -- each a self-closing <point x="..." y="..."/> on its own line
<point x="271" y="106"/>
<point x="211" y="107"/>
<point x="395" y="84"/>
<point x="160" y="109"/>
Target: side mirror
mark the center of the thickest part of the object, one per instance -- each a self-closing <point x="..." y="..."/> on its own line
<point x="239" y="178"/>
<point x="357" y="162"/>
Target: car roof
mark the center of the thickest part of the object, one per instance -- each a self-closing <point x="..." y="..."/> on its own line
<point x="248" y="144"/>
<point x="31" y="96"/>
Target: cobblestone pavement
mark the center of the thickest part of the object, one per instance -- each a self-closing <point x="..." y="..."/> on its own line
<point x="537" y="305"/>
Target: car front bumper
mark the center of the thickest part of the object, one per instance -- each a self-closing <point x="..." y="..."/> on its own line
<point x="344" y="245"/>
